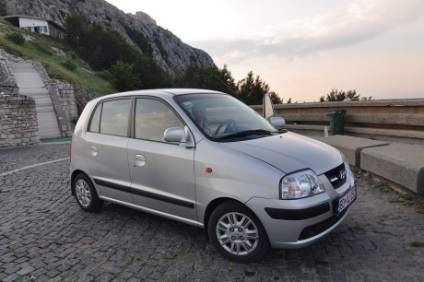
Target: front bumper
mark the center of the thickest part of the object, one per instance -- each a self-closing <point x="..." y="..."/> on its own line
<point x="297" y="223"/>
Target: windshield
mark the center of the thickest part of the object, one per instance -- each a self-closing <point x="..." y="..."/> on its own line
<point x="223" y="118"/>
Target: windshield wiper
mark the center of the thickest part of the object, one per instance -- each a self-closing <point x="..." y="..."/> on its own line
<point x="248" y="133"/>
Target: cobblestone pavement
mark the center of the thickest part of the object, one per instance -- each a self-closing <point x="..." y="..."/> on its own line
<point x="45" y="236"/>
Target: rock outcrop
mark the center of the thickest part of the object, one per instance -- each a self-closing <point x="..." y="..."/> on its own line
<point x="166" y="48"/>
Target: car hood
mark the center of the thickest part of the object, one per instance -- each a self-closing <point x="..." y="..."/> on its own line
<point x="291" y="152"/>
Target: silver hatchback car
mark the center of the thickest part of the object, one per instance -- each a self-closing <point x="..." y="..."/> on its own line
<point x="204" y="158"/>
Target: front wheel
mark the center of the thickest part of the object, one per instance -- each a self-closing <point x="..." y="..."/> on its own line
<point x="237" y="233"/>
<point x="85" y="194"/>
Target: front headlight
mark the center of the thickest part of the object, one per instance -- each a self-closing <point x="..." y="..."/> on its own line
<point x="301" y="185"/>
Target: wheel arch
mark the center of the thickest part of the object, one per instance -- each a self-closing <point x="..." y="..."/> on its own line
<point x="212" y="206"/>
<point x="73" y="176"/>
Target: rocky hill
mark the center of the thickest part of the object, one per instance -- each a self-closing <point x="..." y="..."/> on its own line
<point x="166" y="48"/>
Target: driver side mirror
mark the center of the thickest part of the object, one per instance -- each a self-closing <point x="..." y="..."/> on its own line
<point x="278" y="122"/>
<point x="180" y="135"/>
<point x="268" y="113"/>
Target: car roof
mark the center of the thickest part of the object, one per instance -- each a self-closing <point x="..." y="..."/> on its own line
<point x="166" y="92"/>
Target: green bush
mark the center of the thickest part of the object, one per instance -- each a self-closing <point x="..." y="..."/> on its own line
<point x="105" y="74"/>
<point x="69" y="64"/>
<point x="16" y="37"/>
<point x="71" y="54"/>
<point x="124" y="78"/>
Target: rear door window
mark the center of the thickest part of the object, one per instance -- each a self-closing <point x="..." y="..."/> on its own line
<point x="111" y="117"/>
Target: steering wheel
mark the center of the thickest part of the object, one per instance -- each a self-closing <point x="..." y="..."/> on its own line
<point x="230" y="126"/>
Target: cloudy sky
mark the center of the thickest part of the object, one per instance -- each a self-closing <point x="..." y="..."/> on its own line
<point x="305" y="48"/>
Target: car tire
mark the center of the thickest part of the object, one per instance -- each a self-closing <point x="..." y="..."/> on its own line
<point x="85" y="194"/>
<point x="237" y="233"/>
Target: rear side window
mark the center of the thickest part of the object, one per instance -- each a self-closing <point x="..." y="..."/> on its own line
<point x="111" y="117"/>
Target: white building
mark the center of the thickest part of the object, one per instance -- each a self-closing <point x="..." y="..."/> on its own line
<point x="34" y="25"/>
<point x="37" y="25"/>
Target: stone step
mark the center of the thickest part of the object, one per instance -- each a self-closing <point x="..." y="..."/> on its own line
<point x="36" y="96"/>
<point x="50" y="126"/>
<point x="31" y="74"/>
<point x="45" y="109"/>
<point x="47" y="125"/>
<point x="30" y="84"/>
<point x="23" y="70"/>
<point x="20" y="65"/>
<point x="33" y="91"/>
<point x="42" y="107"/>
<point x="48" y="115"/>
<point x="48" y="134"/>
<point x="41" y="101"/>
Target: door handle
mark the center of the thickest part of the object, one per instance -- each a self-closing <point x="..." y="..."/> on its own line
<point x="93" y="150"/>
<point x="139" y="160"/>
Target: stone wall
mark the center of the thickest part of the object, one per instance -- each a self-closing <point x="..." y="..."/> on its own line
<point x="18" y="121"/>
<point x="7" y="82"/>
<point x="64" y="103"/>
<point x="67" y="96"/>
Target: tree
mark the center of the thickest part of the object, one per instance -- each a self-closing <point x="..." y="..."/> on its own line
<point x="227" y="81"/>
<point x="336" y="95"/>
<point x="105" y="50"/>
<point x="124" y="77"/>
<point x="76" y="27"/>
<point x="3" y="10"/>
<point x="252" y="89"/>
<point x="195" y="77"/>
<point x="213" y="78"/>
<point x="150" y="73"/>
<point x="275" y="99"/>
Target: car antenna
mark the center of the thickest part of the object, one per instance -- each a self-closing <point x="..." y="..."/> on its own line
<point x="234" y="93"/>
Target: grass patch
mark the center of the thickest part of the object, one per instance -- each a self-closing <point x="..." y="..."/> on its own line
<point x="406" y="200"/>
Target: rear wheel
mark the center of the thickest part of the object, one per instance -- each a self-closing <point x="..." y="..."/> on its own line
<point x="237" y="233"/>
<point x="85" y="194"/>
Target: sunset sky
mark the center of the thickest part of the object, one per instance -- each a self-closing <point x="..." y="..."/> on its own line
<point x="305" y="48"/>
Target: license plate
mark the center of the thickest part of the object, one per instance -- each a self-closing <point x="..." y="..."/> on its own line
<point x="344" y="201"/>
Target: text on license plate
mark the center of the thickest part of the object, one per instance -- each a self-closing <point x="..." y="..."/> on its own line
<point x="346" y="200"/>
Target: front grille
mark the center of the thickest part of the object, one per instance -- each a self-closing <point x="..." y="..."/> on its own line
<point x="336" y="176"/>
<point x="320" y="227"/>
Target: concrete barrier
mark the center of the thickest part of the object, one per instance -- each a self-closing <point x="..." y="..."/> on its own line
<point x="399" y="163"/>
<point x="351" y="147"/>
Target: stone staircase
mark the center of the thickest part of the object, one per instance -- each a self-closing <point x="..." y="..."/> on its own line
<point x="30" y="84"/>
